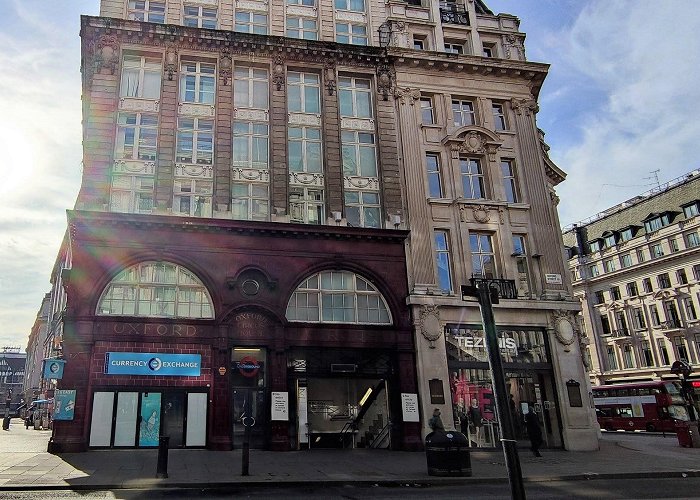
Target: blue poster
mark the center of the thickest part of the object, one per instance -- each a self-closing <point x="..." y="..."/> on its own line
<point x="156" y="364"/>
<point x="63" y="404"/>
<point x="53" y="368"/>
<point x="149" y="430"/>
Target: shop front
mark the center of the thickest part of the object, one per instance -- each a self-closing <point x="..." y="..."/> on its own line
<point x="529" y="377"/>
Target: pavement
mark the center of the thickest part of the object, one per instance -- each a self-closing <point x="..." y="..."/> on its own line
<point x="26" y="465"/>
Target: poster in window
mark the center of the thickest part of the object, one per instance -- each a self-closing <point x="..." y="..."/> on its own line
<point x="437" y="392"/>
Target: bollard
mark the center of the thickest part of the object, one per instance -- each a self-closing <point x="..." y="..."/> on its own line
<point x="162" y="471"/>
<point x="6" y="424"/>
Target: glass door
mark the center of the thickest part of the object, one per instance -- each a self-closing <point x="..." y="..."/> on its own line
<point x="248" y="376"/>
<point x="173" y="404"/>
<point x="149" y="427"/>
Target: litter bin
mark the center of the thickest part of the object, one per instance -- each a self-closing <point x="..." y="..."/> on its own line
<point x="688" y="435"/>
<point x="447" y="454"/>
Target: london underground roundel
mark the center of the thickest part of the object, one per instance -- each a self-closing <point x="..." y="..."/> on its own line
<point x="249" y="366"/>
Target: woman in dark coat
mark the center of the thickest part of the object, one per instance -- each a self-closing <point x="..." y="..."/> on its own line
<point x="534" y="431"/>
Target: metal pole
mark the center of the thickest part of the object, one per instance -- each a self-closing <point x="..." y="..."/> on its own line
<point x="247" y="406"/>
<point x="162" y="467"/>
<point x="515" y="476"/>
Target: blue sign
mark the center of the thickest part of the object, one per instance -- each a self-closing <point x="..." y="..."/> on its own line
<point x="53" y="368"/>
<point x="63" y="404"/>
<point x="146" y="363"/>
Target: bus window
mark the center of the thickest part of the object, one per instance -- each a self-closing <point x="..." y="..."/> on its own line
<point x="672" y="388"/>
<point x="644" y="391"/>
<point x="678" y="412"/>
<point x="604" y="412"/>
<point x="625" y="411"/>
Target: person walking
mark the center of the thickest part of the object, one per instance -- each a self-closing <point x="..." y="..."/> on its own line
<point x="534" y="431"/>
<point x="435" y="422"/>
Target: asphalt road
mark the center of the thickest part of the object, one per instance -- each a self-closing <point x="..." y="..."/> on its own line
<point x="599" y="489"/>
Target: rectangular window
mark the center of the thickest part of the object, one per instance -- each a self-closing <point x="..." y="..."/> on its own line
<point x="612" y="361"/>
<point x="442" y="260"/>
<point x="663" y="352"/>
<point x="197" y="16"/>
<point x="656" y="250"/>
<point x="146" y="10"/>
<point x="306" y="3"/>
<point x="250" y="88"/>
<point x="519" y="245"/>
<point x="355" y="34"/>
<point x="646" y="285"/>
<point x="654" y="315"/>
<point x="418" y="43"/>
<point x="499" y="116"/>
<point x="427" y="111"/>
<point x="304" y="149"/>
<point x="140" y="76"/>
<point x="609" y="241"/>
<point x="621" y="322"/>
<point x="626" y="234"/>
<point x="663" y="280"/>
<point x="195" y="141"/>
<point x="306" y="205"/>
<point x="432" y="163"/>
<point x="638" y="320"/>
<point x="628" y="356"/>
<point x="132" y="194"/>
<point x="250" y="145"/>
<point x="672" y="317"/>
<point x="305" y="28"/>
<point x="647" y="356"/>
<point x="362" y="208"/>
<point x="689" y="307"/>
<point x="615" y="293"/>
<point x="359" y="154"/>
<point x="192" y="197"/>
<point x="680" y="348"/>
<point x="632" y="290"/>
<point x="599" y="297"/>
<point x="605" y="325"/>
<point x="691" y="211"/>
<point x="696" y="272"/>
<point x="608" y="266"/>
<point x="463" y="113"/>
<point x="303" y="92"/>
<point x="472" y="178"/>
<point x="692" y="240"/>
<point x="483" y="256"/>
<point x="625" y="260"/>
<point x="657" y="223"/>
<point x="250" y="201"/>
<point x="454" y="48"/>
<point x="137" y="135"/>
<point x="355" y="96"/>
<point x="682" y="277"/>
<point x="250" y="22"/>
<point x="593" y="271"/>
<point x="640" y="255"/>
<point x="673" y="244"/>
<point x="510" y="182"/>
<point x="351" y="5"/>
<point x="488" y="50"/>
<point x="197" y="82"/>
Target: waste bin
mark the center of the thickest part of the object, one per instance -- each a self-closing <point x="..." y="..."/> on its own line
<point x="688" y="435"/>
<point x="447" y="454"/>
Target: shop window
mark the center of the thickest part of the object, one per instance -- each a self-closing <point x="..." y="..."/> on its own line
<point x="156" y="289"/>
<point x="338" y="297"/>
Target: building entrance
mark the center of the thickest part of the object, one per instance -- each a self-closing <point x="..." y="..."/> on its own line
<point x="248" y="377"/>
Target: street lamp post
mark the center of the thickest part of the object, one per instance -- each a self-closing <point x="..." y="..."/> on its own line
<point x="486" y="297"/>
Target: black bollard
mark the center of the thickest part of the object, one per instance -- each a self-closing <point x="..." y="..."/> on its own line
<point x="162" y="472"/>
<point x="246" y="451"/>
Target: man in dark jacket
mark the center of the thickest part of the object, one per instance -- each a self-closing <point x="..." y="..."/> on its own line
<point x="534" y="431"/>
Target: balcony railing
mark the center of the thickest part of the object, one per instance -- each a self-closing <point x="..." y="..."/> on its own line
<point x="454" y="14"/>
<point x="506" y="288"/>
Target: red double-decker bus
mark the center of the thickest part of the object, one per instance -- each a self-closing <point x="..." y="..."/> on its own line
<point x="649" y="406"/>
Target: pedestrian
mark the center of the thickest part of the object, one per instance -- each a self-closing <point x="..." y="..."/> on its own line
<point x="534" y="432"/>
<point x="435" y="422"/>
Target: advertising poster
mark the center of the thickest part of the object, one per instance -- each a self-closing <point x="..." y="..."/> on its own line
<point x="409" y="406"/>
<point x="149" y="430"/>
<point x="280" y="406"/>
<point x="63" y="404"/>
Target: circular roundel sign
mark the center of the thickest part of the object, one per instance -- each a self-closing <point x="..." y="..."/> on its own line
<point x="248" y="366"/>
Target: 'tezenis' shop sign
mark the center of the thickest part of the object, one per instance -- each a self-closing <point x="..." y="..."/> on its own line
<point x="155" y="364"/>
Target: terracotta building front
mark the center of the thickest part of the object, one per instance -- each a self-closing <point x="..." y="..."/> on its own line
<point x="275" y="322"/>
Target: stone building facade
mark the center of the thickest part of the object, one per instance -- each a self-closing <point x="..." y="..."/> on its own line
<point x="279" y="204"/>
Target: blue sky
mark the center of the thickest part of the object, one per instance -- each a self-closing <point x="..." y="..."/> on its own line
<point x="621" y="101"/>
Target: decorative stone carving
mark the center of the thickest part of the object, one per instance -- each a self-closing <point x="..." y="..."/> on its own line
<point x="260" y="115"/>
<point x="564" y="329"/>
<point x="135" y="104"/>
<point x="225" y="65"/>
<point x="329" y="74"/>
<point x="357" y="182"/>
<point x="481" y="214"/>
<point x="301" y="10"/>
<point x="406" y="94"/>
<point x="134" y="166"/>
<point x="170" y="61"/>
<point x="278" y="72"/>
<point x="192" y="109"/>
<point x="527" y="106"/>
<point x="513" y="47"/>
<point x="260" y="6"/>
<point x="250" y="174"/>
<point x="474" y="141"/>
<point x="305" y="179"/>
<point x="190" y="170"/>
<point x="107" y="54"/>
<point x="357" y="124"/>
<point x="304" y="119"/>
<point x="355" y="17"/>
<point x="385" y="80"/>
<point x="429" y="324"/>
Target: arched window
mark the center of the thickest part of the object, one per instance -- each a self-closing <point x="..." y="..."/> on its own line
<point x="338" y="297"/>
<point x="156" y="289"/>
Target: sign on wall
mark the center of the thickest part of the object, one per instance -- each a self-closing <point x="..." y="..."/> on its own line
<point x="280" y="406"/>
<point x="63" y="404"/>
<point x="154" y="364"/>
<point x="409" y="407"/>
<point x="53" y="368"/>
<point x="553" y="279"/>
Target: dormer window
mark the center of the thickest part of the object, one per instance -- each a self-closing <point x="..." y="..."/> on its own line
<point x="627" y="234"/>
<point x="691" y="210"/>
<point x="609" y="240"/>
<point x="656" y="221"/>
<point x="594" y="245"/>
